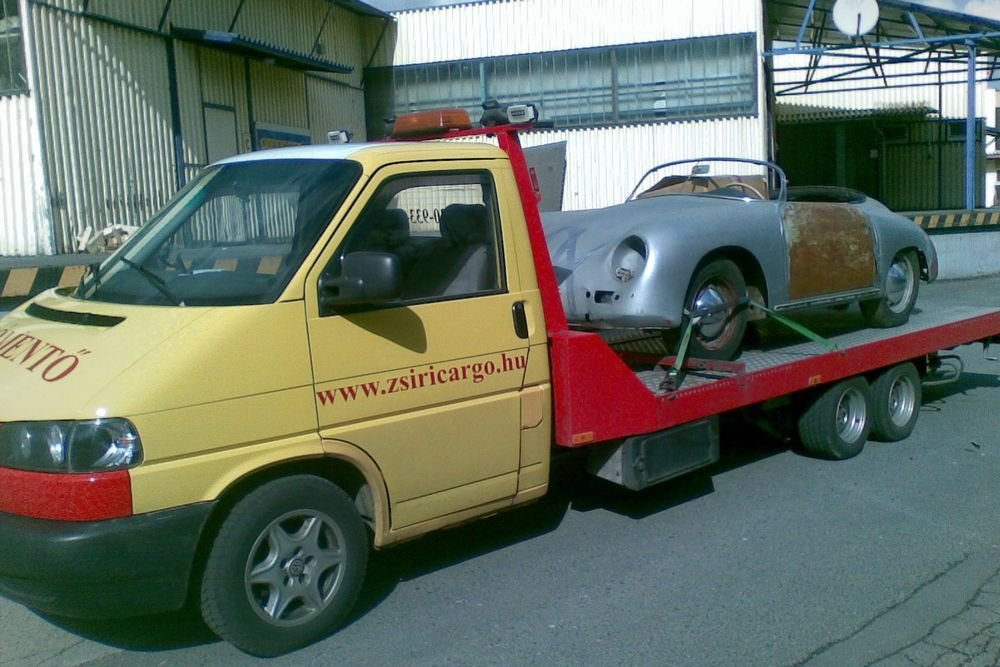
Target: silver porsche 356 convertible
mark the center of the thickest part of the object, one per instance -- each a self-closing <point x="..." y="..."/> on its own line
<point x="712" y="234"/>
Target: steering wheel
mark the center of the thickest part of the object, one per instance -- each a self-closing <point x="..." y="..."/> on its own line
<point x="746" y="186"/>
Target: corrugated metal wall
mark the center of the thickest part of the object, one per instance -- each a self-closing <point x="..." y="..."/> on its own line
<point x="333" y="107"/>
<point x="604" y="164"/>
<point x="526" y="26"/>
<point x="923" y="166"/>
<point x="24" y="213"/>
<point x="106" y="121"/>
<point x="104" y="108"/>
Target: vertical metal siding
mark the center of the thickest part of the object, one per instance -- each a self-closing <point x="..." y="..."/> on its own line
<point x="346" y="38"/>
<point x="106" y="110"/>
<point x="279" y="96"/>
<point x="25" y="225"/>
<point x="603" y="165"/>
<point x="333" y="107"/>
<point x="526" y="26"/>
<point x="213" y="15"/>
<point x="192" y="120"/>
<point x="143" y="13"/>
<point x="24" y="221"/>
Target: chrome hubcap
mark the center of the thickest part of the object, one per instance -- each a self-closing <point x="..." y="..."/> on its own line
<point x="902" y="401"/>
<point x="851" y="415"/>
<point x="899" y="283"/>
<point x="712" y="297"/>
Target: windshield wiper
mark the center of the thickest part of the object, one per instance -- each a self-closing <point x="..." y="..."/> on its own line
<point x="94" y="274"/>
<point x="154" y="280"/>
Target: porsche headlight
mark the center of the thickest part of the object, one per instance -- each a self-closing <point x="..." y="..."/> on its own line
<point x="95" y="445"/>
<point x="629" y="258"/>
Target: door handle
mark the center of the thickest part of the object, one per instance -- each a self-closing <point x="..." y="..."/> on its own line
<point x="520" y="320"/>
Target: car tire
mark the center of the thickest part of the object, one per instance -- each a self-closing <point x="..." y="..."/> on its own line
<point x="837" y="423"/>
<point x="285" y="567"/>
<point x="895" y="403"/>
<point x="899" y="293"/>
<point x="718" y="336"/>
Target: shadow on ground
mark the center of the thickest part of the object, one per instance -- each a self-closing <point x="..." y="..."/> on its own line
<point x="160" y="632"/>
<point x="571" y="490"/>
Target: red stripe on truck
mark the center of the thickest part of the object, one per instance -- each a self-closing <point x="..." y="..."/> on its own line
<point x="66" y="497"/>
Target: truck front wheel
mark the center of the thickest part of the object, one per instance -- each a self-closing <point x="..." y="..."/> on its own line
<point x="285" y="567"/>
<point x="837" y="423"/>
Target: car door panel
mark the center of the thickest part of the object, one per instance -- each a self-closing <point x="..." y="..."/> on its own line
<point x="830" y="249"/>
<point x="429" y="388"/>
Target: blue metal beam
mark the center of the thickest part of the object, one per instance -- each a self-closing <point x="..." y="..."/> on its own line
<point x="890" y="44"/>
<point x="970" y="132"/>
<point x="806" y="20"/>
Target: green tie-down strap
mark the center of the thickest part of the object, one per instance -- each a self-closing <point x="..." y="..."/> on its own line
<point x="675" y="375"/>
<point x="795" y="326"/>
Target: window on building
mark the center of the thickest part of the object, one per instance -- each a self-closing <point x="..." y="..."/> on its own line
<point x="12" y="76"/>
<point x="686" y="79"/>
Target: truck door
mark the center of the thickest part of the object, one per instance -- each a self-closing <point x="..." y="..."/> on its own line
<point x="830" y="249"/>
<point x="428" y="385"/>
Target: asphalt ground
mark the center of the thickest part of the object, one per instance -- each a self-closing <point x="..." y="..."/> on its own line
<point x="767" y="558"/>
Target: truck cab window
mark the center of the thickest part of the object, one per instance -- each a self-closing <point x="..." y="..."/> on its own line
<point x="234" y="236"/>
<point x="441" y="228"/>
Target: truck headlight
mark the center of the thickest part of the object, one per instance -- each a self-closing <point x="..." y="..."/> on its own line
<point x="629" y="258"/>
<point x="95" y="445"/>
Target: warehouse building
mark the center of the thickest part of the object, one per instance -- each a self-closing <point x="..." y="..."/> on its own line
<point x="108" y="107"/>
<point x="632" y="85"/>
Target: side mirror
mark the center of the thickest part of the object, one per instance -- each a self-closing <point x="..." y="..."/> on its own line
<point x="364" y="278"/>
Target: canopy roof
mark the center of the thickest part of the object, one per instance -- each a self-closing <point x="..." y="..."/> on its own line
<point x="906" y="32"/>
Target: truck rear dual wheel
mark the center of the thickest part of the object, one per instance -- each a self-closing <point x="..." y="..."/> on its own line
<point x="840" y="420"/>
<point x="895" y="403"/>
<point x="285" y="567"/>
<point x="837" y="423"/>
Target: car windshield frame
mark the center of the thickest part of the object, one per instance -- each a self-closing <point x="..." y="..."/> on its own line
<point x="235" y="235"/>
<point x="777" y="181"/>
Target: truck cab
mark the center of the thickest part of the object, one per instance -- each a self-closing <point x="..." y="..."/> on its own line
<point x="364" y="316"/>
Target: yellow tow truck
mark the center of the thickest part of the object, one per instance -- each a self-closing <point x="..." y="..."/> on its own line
<point x="315" y="351"/>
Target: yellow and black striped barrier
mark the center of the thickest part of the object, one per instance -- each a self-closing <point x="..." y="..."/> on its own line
<point x="956" y="220"/>
<point x="18" y="284"/>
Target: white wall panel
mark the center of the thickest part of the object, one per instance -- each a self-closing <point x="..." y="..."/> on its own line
<point x="24" y="219"/>
<point x="527" y="26"/>
<point x="603" y="165"/>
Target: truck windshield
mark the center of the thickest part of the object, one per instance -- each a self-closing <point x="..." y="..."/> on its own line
<point x="234" y="236"/>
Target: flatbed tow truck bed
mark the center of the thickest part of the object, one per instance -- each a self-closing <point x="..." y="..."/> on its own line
<point x="601" y="394"/>
<point x="858" y="349"/>
<point x="785" y="364"/>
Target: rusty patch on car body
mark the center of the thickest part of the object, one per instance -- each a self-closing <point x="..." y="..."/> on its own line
<point x="830" y="249"/>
